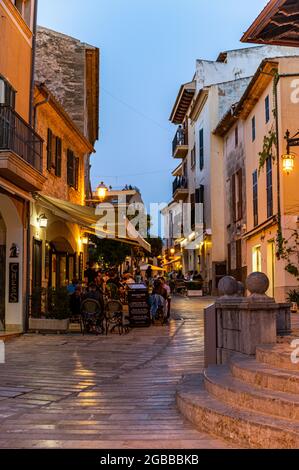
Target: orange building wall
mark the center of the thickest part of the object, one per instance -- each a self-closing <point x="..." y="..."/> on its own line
<point x="16" y="54"/>
<point x="55" y="186"/>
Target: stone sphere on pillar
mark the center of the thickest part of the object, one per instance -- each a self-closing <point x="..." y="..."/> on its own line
<point x="257" y="283"/>
<point x="228" y="286"/>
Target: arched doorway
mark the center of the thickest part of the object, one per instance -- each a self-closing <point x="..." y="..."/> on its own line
<point x="62" y="248"/>
<point x="12" y="268"/>
<point x="62" y="262"/>
<point x="2" y="271"/>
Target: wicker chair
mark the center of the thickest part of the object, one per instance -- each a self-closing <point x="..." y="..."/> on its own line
<point x="92" y="317"/>
<point x="114" y="317"/>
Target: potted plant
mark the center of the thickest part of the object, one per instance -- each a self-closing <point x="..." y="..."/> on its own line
<point x="194" y="288"/>
<point x="49" y="310"/>
<point x="293" y="298"/>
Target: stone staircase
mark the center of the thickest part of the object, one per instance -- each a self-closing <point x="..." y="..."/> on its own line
<point x="252" y="402"/>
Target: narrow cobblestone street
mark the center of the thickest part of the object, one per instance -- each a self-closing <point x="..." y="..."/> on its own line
<point x="103" y="392"/>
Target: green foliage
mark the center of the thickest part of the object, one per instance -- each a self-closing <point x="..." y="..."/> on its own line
<point x="269" y="149"/>
<point x="109" y="252"/>
<point x="288" y="250"/>
<point x="293" y="296"/>
<point x="50" y="303"/>
<point x="156" y="246"/>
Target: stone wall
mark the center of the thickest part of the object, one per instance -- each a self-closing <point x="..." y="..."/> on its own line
<point x="60" y="63"/>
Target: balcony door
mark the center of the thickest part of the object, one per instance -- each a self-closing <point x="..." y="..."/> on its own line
<point x="2" y="272"/>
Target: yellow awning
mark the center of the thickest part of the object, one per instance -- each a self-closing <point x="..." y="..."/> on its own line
<point x="86" y="217"/>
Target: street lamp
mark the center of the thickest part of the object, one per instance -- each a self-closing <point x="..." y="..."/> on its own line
<point x="288" y="163"/>
<point x="102" y="191"/>
<point x="42" y="221"/>
<point x="288" y="160"/>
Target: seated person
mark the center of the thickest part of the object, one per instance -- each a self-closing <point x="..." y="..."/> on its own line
<point x="95" y="294"/>
<point x="158" y="298"/>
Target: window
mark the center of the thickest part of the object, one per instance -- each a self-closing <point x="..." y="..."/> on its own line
<point x="236" y="136"/>
<point x="72" y="170"/>
<point x="237" y="195"/>
<point x="201" y="149"/>
<point x="24" y="8"/>
<point x="199" y="199"/>
<point x="49" y="149"/>
<point x="58" y="156"/>
<point x="269" y="187"/>
<point x="253" y="129"/>
<point x="7" y="93"/>
<point x="257" y="259"/>
<point x="54" y="153"/>
<point x="192" y="211"/>
<point x="193" y="157"/>
<point x="255" y="197"/>
<point x="267" y="108"/>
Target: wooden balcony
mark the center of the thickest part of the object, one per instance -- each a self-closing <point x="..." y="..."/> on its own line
<point x="21" y="150"/>
<point x="180" y="189"/>
<point x="180" y="144"/>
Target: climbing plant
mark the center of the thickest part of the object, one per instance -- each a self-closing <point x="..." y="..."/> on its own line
<point x="288" y="250"/>
<point x="269" y="148"/>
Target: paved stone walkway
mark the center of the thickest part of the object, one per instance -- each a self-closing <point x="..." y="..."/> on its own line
<point x="103" y="392"/>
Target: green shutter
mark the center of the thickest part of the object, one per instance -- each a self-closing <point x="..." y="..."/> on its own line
<point x="49" y="149"/>
<point x="58" y="156"/>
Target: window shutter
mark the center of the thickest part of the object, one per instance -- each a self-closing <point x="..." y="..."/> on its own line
<point x="49" y="149"/>
<point x="58" y="155"/>
<point x="240" y="195"/>
<point x="70" y="168"/>
<point x="201" y="149"/>
<point x="233" y="194"/>
<point x="76" y="175"/>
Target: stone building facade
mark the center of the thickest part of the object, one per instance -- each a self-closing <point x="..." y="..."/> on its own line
<point x="72" y="74"/>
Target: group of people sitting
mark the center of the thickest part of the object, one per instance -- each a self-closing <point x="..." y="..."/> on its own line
<point x="105" y="285"/>
<point x="160" y="299"/>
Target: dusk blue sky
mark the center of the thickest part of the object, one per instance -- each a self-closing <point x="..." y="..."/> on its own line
<point x="148" y="49"/>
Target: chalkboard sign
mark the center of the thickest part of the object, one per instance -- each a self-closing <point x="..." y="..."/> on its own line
<point x="13" y="296"/>
<point x="139" y="311"/>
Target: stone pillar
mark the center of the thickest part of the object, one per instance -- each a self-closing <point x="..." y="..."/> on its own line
<point x="242" y="323"/>
<point x="245" y="323"/>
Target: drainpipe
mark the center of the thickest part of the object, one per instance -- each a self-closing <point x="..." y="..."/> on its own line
<point x="33" y="62"/>
<point x="36" y="106"/>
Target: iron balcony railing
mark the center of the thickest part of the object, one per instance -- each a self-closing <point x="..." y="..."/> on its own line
<point x="16" y="135"/>
<point x="180" y="182"/>
<point x="180" y="138"/>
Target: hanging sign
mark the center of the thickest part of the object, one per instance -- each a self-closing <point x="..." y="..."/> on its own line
<point x="13" y="296"/>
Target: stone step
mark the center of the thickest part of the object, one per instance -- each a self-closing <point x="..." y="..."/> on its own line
<point x="265" y="376"/>
<point x="248" y="429"/>
<point x="222" y="385"/>
<point x="277" y="355"/>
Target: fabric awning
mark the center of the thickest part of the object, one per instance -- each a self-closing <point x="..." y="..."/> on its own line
<point x="86" y="217"/>
<point x="175" y="260"/>
<point x="154" y="268"/>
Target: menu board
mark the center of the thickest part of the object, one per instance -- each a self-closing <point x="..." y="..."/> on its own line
<point x="139" y="311"/>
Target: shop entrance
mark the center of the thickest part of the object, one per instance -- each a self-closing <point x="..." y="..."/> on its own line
<point x="2" y="272"/>
<point x="62" y="263"/>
